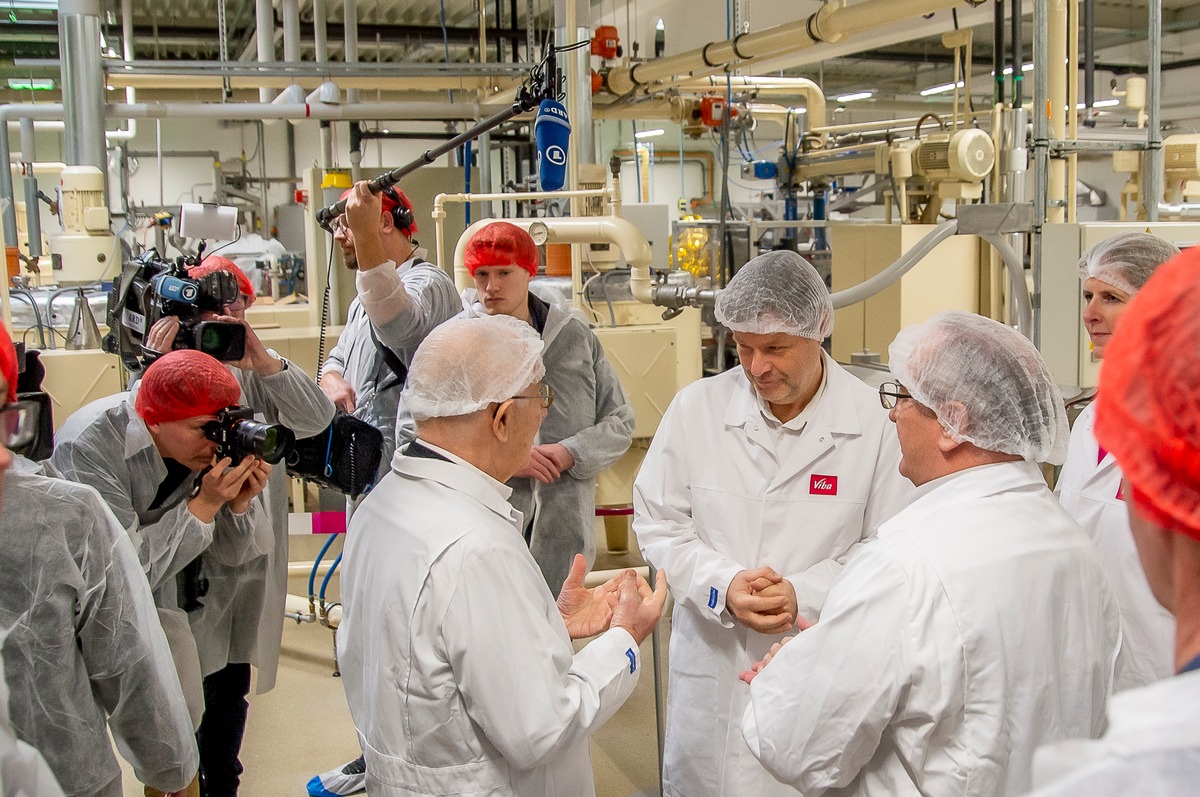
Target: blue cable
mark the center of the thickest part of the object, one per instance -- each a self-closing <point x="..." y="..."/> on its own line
<point x="312" y="577"/>
<point x="446" y="42"/>
<point x="329" y="575"/>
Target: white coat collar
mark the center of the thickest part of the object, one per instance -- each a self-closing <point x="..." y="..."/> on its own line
<point x="961" y="487"/>
<point x="1160" y="715"/>
<point x="137" y="434"/>
<point x="460" y="476"/>
<point x="832" y="412"/>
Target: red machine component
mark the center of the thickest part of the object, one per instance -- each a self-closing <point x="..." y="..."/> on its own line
<point x="597" y="82"/>
<point x="606" y="43"/>
<point x="712" y="111"/>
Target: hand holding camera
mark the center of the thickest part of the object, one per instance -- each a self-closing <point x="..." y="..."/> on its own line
<point x="224" y="483"/>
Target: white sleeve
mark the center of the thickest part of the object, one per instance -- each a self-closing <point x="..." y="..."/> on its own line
<point x="818" y="711"/>
<point x="519" y="678"/>
<point x="662" y="520"/>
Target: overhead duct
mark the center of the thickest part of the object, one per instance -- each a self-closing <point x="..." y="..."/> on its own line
<point x="82" y="82"/>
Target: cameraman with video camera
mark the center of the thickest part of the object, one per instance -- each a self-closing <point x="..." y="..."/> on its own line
<point x="240" y="621"/>
<point x="152" y="454"/>
<point x="401" y="298"/>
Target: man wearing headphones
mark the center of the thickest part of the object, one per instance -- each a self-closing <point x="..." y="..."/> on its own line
<point x="401" y="298"/>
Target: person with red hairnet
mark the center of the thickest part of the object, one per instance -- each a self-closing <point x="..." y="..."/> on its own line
<point x="1148" y="417"/>
<point x="83" y="653"/>
<point x="148" y="455"/>
<point x="401" y="298"/>
<point x="1089" y="487"/>
<point x="590" y="423"/>
<point x="241" y="620"/>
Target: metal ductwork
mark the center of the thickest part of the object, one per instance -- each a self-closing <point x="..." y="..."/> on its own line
<point x="82" y="83"/>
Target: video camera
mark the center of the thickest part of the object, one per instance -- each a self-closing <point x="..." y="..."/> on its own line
<point x="150" y="288"/>
<point x="238" y="435"/>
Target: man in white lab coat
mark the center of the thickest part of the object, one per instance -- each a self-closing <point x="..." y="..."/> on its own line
<point x="1148" y="417"/>
<point x="980" y="625"/>
<point x="458" y="664"/>
<point x="758" y="487"/>
<point x="1089" y="486"/>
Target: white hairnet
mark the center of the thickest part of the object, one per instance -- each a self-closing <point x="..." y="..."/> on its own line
<point x="987" y="383"/>
<point x="777" y="292"/>
<point x="466" y="364"/>
<point x="1127" y="260"/>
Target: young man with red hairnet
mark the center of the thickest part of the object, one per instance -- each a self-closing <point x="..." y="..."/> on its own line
<point x="83" y="652"/>
<point x="1148" y="417"/>
<point x="589" y="424"/>
<point x="241" y="620"/>
<point x="401" y="298"/>
<point x="147" y="454"/>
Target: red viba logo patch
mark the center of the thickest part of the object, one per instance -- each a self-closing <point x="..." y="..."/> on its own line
<point x="820" y="484"/>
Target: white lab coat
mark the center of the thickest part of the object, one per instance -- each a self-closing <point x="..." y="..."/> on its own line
<point x="1089" y="490"/>
<point x="458" y="669"/>
<point x="23" y="771"/>
<point x="1151" y="747"/>
<point x="977" y="627"/>
<point x="711" y="500"/>
<point x="241" y="620"/>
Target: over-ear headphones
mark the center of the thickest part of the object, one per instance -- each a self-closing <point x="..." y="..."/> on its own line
<point x="402" y="216"/>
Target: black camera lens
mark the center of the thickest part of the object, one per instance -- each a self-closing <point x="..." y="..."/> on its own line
<point x="270" y="442"/>
<point x="221" y="339"/>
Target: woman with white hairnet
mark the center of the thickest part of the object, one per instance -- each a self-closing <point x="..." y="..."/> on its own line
<point x="980" y="625"/>
<point x="1112" y="272"/>
<point x="760" y="484"/>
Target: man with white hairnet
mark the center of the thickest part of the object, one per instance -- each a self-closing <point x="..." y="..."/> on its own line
<point x="981" y="623"/>
<point x="1112" y="272"/>
<point x="759" y="486"/>
<point x="457" y="663"/>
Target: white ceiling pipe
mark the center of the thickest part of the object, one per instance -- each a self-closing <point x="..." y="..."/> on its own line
<point x="130" y="130"/>
<point x="320" y="37"/>
<point x="350" y="28"/>
<point x="253" y="111"/>
<point x="290" y="10"/>
<point x="265" y="34"/>
<point x="829" y="24"/>
<point x="814" y="98"/>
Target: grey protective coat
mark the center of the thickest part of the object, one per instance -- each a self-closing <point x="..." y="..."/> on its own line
<point x="85" y="648"/>
<point x="592" y="417"/>
<point x="242" y="617"/>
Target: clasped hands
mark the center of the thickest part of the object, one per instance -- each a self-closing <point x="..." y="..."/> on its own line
<point x="624" y="601"/>
<point x="764" y="601"/>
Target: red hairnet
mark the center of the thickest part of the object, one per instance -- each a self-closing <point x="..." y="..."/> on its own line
<point x="501" y="244"/>
<point x="217" y="263"/>
<point x="1148" y="412"/>
<point x="185" y="384"/>
<point x="8" y="362"/>
<point x="392" y="198"/>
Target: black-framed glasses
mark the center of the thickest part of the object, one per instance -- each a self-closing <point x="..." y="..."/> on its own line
<point x="18" y="423"/>
<point x="339" y="224"/>
<point x="545" y="395"/>
<point x="890" y="394"/>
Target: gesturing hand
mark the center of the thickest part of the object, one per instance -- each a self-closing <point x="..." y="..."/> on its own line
<point x="587" y="612"/>
<point x="639" y="609"/>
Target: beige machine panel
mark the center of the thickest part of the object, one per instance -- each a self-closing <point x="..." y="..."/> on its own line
<point x="644" y="359"/>
<point x="77" y="378"/>
<point x="947" y="279"/>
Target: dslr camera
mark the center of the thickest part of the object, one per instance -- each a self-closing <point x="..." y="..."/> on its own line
<point x="238" y="435"/>
<point x="150" y="288"/>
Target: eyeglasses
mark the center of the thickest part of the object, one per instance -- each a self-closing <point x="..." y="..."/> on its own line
<point x="339" y="225"/>
<point x="18" y="423"/>
<point x="890" y="394"/>
<point x="545" y="395"/>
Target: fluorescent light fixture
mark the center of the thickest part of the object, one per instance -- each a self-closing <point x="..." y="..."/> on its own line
<point x="1008" y="69"/>
<point x="659" y="25"/>
<point x="1099" y="104"/>
<point x="859" y="95"/>
<point x="658" y="131"/>
<point x="30" y="5"/>
<point x="942" y="89"/>
<point x="31" y="84"/>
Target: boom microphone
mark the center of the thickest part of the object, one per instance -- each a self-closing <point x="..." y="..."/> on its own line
<point x="552" y="130"/>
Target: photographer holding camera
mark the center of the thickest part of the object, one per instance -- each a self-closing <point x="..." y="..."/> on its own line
<point x="401" y="298"/>
<point x="240" y="621"/>
<point x="151" y="455"/>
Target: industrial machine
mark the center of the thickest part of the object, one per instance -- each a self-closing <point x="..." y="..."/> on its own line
<point x="86" y="249"/>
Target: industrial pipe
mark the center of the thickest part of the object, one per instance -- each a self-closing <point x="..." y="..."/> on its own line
<point x="895" y="271"/>
<point x="264" y="18"/>
<point x="1016" y="276"/>
<point x="82" y="83"/>
<point x="1153" y="173"/>
<point x="830" y="24"/>
<point x="33" y="213"/>
<point x="814" y="97"/>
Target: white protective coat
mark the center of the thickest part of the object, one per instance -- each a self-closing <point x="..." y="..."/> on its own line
<point x="241" y="620"/>
<point x="106" y="445"/>
<point x="84" y="654"/>
<point x="458" y="669"/>
<point x="23" y="771"/>
<point x="979" y="626"/>
<point x="1090" y="490"/>
<point x="384" y="292"/>
<point x="1151" y="747"/>
<point x="711" y="500"/>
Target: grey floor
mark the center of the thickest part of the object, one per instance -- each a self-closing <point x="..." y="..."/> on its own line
<point x="303" y="727"/>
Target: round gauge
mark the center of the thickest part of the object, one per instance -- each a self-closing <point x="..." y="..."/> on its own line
<point x="539" y="232"/>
